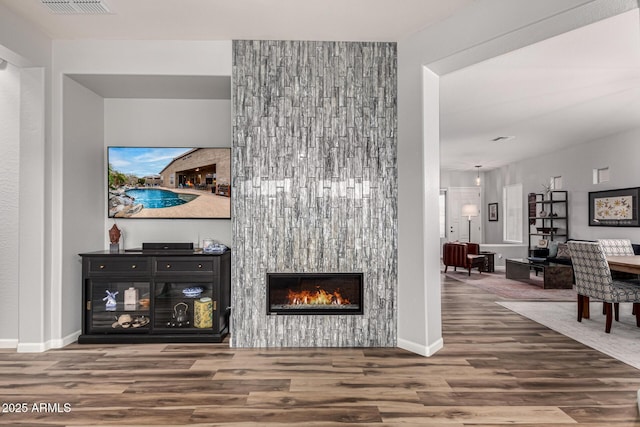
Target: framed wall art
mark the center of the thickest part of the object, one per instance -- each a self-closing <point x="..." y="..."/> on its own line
<point x="614" y="208"/>
<point x="493" y="211"/>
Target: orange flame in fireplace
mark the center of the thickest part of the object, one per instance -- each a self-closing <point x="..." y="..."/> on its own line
<point x="317" y="297"/>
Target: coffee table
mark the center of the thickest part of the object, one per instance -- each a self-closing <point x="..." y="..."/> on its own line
<point x="555" y="276"/>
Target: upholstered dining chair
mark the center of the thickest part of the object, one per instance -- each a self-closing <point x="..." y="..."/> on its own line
<point x="593" y="280"/>
<point x="616" y="247"/>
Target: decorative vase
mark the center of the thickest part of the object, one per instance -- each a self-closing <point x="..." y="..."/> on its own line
<point x="203" y="313"/>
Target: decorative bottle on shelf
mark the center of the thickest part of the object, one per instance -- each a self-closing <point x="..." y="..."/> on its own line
<point x="130" y="298"/>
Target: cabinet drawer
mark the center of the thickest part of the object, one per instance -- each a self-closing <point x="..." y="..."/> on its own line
<point x="184" y="265"/>
<point x="129" y="266"/>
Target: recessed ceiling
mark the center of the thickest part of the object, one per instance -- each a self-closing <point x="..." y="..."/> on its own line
<point x="157" y="87"/>
<point x="577" y="87"/>
<point x="344" y="20"/>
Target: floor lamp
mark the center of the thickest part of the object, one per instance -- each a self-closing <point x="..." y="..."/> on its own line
<point x="469" y="211"/>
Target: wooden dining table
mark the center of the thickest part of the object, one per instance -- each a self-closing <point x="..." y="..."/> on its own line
<point x="627" y="263"/>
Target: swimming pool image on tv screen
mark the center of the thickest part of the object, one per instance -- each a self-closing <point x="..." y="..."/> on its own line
<point x="169" y="182"/>
<point x="153" y="198"/>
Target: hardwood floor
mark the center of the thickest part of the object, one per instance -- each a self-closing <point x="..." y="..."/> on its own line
<point x="497" y="368"/>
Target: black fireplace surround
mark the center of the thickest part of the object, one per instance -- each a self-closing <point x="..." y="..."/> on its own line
<point x="314" y="293"/>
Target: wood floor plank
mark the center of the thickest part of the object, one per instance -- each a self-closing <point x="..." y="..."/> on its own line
<point x="497" y="368"/>
<point x="511" y="398"/>
<point x="475" y="414"/>
<point x="243" y="386"/>
<point x="160" y="399"/>
<point x="366" y="415"/>
<point x="60" y="387"/>
<point x="337" y="398"/>
<point x="102" y="417"/>
<point x="327" y="385"/>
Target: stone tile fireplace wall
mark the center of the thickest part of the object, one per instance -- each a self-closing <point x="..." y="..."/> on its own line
<point x="314" y="185"/>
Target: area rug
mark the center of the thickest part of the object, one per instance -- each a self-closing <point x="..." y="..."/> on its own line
<point x="623" y="343"/>
<point x="497" y="284"/>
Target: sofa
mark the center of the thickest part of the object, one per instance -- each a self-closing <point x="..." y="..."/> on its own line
<point x="558" y="252"/>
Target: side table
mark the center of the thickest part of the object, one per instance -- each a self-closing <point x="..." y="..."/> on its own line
<point x="489" y="260"/>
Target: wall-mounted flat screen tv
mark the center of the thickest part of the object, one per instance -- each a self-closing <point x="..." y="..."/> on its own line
<point x="162" y="182"/>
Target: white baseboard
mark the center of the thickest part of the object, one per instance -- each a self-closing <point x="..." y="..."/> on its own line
<point x="39" y="347"/>
<point x="32" y="347"/>
<point x="420" y="349"/>
<point x="8" y="343"/>
<point x="65" y="341"/>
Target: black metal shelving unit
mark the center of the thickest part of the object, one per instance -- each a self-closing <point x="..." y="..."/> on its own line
<point x="548" y="217"/>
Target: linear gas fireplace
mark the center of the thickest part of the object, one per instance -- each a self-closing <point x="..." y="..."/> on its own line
<point x="314" y="293"/>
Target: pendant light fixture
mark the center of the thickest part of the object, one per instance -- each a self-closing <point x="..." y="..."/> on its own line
<point x="478" y="176"/>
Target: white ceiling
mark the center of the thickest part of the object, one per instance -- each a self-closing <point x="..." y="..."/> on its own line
<point x="342" y="20"/>
<point x="577" y="87"/>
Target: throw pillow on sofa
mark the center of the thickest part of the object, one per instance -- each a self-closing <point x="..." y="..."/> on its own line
<point x="553" y="249"/>
<point x="563" y="251"/>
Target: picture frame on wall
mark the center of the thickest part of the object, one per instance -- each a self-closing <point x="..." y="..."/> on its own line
<point x="493" y="211"/>
<point x="614" y="208"/>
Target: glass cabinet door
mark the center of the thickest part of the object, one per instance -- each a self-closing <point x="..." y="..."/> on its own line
<point x="184" y="307"/>
<point x="119" y="306"/>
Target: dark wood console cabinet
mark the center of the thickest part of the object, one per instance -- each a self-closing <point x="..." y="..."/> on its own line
<point x="163" y="309"/>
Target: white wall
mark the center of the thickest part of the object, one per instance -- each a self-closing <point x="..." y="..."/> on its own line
<point x="492" y="190"/>
<point x="25" y="46"/>
<point x="34" y="301"/>
<point x="575" y="165"/>
<point x="73" y="142"/>
<point x="9" y="194"/>
<point x="484" y="29"/>
<point x="450" y="178"/>
<point x="464" y="179"/>
<point x="167" y="123"/>
<point x="21" y="43"/>
<point x="84" y="203"/>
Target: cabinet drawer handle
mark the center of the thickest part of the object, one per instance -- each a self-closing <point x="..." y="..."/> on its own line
<point x="168" y="265"/>
<point x="199" y="265"/>
<point x="101" y="267"/>
<point x="133" y="266"/>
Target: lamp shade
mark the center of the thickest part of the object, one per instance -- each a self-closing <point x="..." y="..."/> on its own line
<point x="469" y="210"/>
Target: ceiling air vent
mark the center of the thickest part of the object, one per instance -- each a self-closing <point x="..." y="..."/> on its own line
<point x="77" y="7"/>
